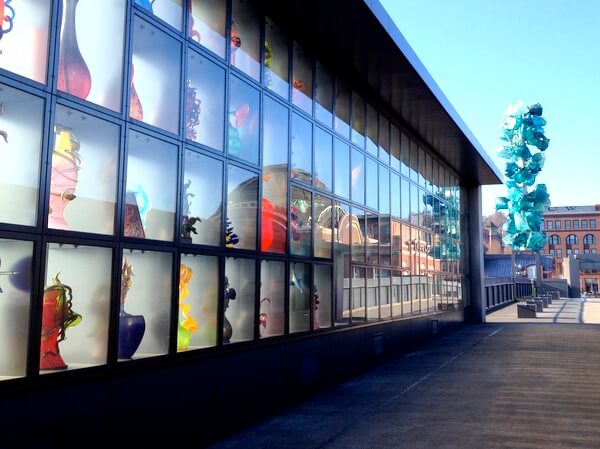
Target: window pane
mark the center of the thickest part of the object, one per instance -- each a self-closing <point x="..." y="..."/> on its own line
<point x="207" y="24"/>
<point x="405" y="201"/>
<point x="371" y="234"/>
<point x="395" y="191"/>
<point x="414" y="205"/>
<point x="300" y="222"/>
<point x="168" y="10"/>
<point x="384" y="139"/>
<point x="154" y="78"/>
<point x="341" y="223"/>
<point x="144" y="316"/>
<point x="372" y="284"/>
<point x="323" y="226"/>
<point x="359" y="294"/>
<point x="384" y="190"/>
<point x="322" y="296"/>
<point x="396" y="243"/>
<point x="205" y="102"/>
<point x="275" y="177"/>
<point x="82" y="198"/>
<point x="342" y="169"/>
<point x="372" y="130"/>
<point x="244" y="104"/>
<point x="75" y="307"/>
<point x="15" y="285"/>
<point x="245" y="38"/>
<point x="302" y="149"/>
<point x="202" y="200"/>
<point x="272" y="299"/>
<point x="242" y="197"/>
<point x="395" y="147"/>
<point x="151" y="188"/>
<point x="357" y="176"/>
<point x="372" y="183"/>
<point x="422" y="167"/>
<point x="342" y="109"/>
<point x="414" y="162"/>
<point x="88" y="67"/>
<point x="25" y="44"/>
<point x="300" y="297"/>
<point x="324" y="96"/>
<point x="356" y="228"/>
<point x="21" y="140"/>
<point x="302" y="79"/>
<point x="198" y="299"/>
<point x="323" y="163"/>
<point x="358" y="120"/>
<point x="396" y="294"/>
<point x="276" y="59"/>
<point x="428" y="172"/>
<point x="404" y="155"/>
<point x="238" y="321"/>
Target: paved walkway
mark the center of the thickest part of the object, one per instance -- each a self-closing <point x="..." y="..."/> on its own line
<point x="506" y="384"/>
<point x="565" y="310"/>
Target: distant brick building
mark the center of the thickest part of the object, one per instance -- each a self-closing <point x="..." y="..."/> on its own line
<point x="571" y="230"/>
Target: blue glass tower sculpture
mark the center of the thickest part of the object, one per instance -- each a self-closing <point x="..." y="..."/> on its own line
<point x="524" y="126"/>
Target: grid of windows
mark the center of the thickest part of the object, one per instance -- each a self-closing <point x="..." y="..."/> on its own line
<point x="200" y="175"/>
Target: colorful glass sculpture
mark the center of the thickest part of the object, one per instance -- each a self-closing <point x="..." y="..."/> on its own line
<point x="524" y="126"/>
<point x="192" y="111"/>
<point x="266" y="227"/>
<point x="192" y="32"/>
<point x="131" y="327"/>
<point x="57" y="316"/>
<point x="237" y="118"/>
<point x="231" y="238"/>
<point x="188" y="222"/>
<point x="3" y="133"/>
<point x="73" y="73"/>
<point x="66" y="163"/>
<point x="188" y="325"/>
<point x="135" y="105"/>
<point x="229" y="295"/>
<point x="146" y="4"/>
<point x="7" y="17"/>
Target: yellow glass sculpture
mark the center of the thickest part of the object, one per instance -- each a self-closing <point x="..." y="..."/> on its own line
<point x="188" y="325"/>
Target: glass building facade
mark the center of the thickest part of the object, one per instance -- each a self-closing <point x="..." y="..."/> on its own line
<point x="197" y="178"/>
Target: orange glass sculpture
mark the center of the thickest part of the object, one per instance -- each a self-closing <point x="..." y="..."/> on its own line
<point x="73" y="73"/>
<point x="57" y="316"/>
<point x="188" y="325"/>
<point x="66" y="163"/>
<point x="135" y="105"/>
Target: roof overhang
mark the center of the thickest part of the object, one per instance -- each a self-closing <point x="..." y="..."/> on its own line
<point x="361" y="43"/>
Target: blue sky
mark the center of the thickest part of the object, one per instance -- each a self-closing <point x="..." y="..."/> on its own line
<point x="487" y="54"/>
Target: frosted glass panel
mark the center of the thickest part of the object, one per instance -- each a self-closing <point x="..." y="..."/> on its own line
<point x="242" y="196"/>
<point x="300" y="222"/>
<point x="243" y="116"/>
<point x="322" y="296"/>
<point x="207" y="24"/>
<point x="323" y="231"/>
<point x="324" y="96"/>
<point x="323" y="178"/>
<point x="202" y="200"/>
<point x="300" y="292"/>
<point x="15" y="302"/>
<point x="151" y="186"/>
<point x="198" y="299"/>
<point x="24" y="43"/>
<point x="155" y="73"/>
<point x="302" y="149"/>
<point x="83" y="183"/>
<point x="76" y="307"/>
<point x="245" y="38"/>
<point x="272" y="299"/>
<point x="168" y="10"/>
<point x="145" y="304"/>
<point x="276" y="60"/>
<point x="91" y="68"/>
<point x="21" y="120"/>
<point x="302" y="79"/>
<point x="239" y="300"/>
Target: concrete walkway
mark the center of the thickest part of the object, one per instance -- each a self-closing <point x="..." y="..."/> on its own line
<point x="506" y="384"/>
<point x="565" y="310"/>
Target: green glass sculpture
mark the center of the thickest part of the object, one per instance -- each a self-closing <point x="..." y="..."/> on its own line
<point x="524" y="126"/>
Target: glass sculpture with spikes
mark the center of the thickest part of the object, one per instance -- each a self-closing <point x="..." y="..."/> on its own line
<point x="524" y="127"/>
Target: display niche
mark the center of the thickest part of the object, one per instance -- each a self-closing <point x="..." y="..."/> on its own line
<point x="300" y="297"/>
<point x="300" y="222"/>
<point x="83" y="177"/>
<point x="145" y="304"/>
<point x="198" y="301"/>
<point x="238" y="300"/>
<point x="151" y="188"/>
<point x="244" y="52"/>
<point x="24" y="44"/>
<point x="302" y="79"/>
<point x="206" y="24"/>
<point x="21" y="122"/>
<point x="154" y="88"/>
<point x="276" y="62"/>
<point x="75" y="307"/>
<point x="243" y="120"/>
<point x="321" y="296"/>
<point x="205" y="102"/>
<point x="271" y="315"/>
<point x="90" y="68"/>
<point x="302" y="137"/>
<point x="242" y="198"/>
<point x="15" y="303"/>
<point x="168" y="10"/>
<point x="202" y="200"/>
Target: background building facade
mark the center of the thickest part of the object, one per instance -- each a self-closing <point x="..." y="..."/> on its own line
<point x="216" y="183"/>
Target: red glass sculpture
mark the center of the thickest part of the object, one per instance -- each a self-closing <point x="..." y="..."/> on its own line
<point x="57" y="316"/>
<point x="135" y="105"/>
<point x="73" y="73"/>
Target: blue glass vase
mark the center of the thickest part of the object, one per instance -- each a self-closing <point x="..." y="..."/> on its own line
<point x="131" y="332"/>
